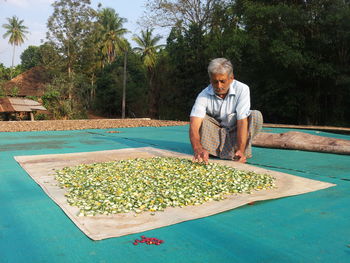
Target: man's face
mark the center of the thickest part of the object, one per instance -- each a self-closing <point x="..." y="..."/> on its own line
<point x="221" y="83"/>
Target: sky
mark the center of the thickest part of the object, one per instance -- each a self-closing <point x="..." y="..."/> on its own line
<point x="35" y="14"/>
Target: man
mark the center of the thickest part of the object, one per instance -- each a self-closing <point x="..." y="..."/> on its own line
<point x="221" y="122"/>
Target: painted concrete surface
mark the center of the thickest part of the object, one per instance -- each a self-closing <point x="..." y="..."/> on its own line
<point x="313" y="227"/>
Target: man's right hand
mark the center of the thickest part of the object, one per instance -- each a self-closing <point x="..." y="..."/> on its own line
<point x="201" y="156"/>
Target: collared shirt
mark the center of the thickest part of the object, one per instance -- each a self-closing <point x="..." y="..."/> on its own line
<point x="235" y="106"/>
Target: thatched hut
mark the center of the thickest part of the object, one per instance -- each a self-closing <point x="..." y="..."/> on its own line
<point x="9" y="106"/>
<point x="30" y="83"/>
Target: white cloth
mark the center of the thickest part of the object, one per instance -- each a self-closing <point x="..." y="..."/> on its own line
<point x="41" y="169"/>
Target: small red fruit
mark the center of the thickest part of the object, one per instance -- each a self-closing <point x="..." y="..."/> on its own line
<point x="149" y="241"/>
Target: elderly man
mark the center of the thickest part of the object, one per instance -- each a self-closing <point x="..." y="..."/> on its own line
<point x="221" y="122"/>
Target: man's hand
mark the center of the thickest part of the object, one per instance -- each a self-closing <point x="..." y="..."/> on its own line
<point x="201" y="156"/>
<point x="239" y="157"/>
<point x="242" y="138"/>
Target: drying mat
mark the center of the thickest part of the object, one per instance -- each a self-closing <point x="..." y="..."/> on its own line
<point x="41" y="169"/>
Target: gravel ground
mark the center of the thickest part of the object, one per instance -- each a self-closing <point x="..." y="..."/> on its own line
<point x="60" y="125"/>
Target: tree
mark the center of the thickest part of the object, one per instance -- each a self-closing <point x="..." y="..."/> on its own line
<point x="5" y="73"/>
<point x="148" y="49"/>
<point x="181" y="13"/>
<point x="110" y="34"/>
<point x="31" y="57"/>
<point x="69" y="27"/>
<point x="109" y="88"/>
<point x="16" y="32"/>
<point x="183" y="72"/>
<point x="297" y="59"/>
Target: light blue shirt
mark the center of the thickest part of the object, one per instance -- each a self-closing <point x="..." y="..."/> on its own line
<point x="235" y="106"/>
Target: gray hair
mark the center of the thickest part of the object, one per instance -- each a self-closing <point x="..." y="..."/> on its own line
<point x="220" y="66"/>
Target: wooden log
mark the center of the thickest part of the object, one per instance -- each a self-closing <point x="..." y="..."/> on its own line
<point x="302" y="141"/>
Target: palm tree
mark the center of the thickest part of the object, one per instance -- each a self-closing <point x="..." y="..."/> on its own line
<point x="110" y="38"/>
<point x="16" y="32"/>
<point x="148" y="49"/>
<point x="111" y="33"/>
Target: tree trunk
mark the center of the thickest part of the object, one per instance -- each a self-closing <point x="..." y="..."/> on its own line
<point x="70" y="71"/>
<point x="13" y="61"/>
<point x="152" y="95"/>
<point x="70" y="82"/>
<point x="92" y="91"/>
<point x="124" y="85"/>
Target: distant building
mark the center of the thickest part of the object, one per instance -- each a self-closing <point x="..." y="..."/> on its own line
<point x="30" y="83"/>
<point x="20" y="105"/>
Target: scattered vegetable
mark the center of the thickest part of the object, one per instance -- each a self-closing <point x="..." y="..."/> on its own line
<point x="139" y="185"/>
<point x="148" y="241"/>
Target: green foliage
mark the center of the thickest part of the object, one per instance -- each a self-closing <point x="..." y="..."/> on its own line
<point x="294" y="55"/>
<point x="14" y="91"/>
<point x="15" y="31"/>
<point x="69" y="28"/>
<point x="5" y="73"/>
<point x="16" y="70"/>
<point x="41" y="116"/>
<point x="148" y="50"/>
<point x="110" y="33"/>
<point x="300" y="43"/>
<point x="109" y="88"/>
<point x="51" y="59"/>
<point x="82" y="42"/>
<point x="2" y="93"/>
<point x="31" y="57"/>
<point x="54" y="100"/>
<point x="147" y="47"/>
<point x="186" y="74"/>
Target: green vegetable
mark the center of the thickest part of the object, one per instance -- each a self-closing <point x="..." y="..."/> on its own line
<point x="153" y="184"/>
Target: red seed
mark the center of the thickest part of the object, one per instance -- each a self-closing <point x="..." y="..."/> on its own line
<point x="149" y="241"/>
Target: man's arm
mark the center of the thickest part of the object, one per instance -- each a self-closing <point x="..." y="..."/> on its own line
<point x="242" y="138"/>
<point x="200" y="154"/>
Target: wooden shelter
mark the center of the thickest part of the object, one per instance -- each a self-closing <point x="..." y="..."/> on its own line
<point x="30" y="83"/>
<point x="19" y="105"/>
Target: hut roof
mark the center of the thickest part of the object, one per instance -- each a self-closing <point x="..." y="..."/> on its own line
<point x="30" y="83"/>
<point x="19" y="105"/>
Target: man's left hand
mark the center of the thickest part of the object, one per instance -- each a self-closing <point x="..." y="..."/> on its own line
<point x="240" y="157"/>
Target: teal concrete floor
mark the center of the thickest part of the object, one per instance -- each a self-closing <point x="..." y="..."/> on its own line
<point x="313" y="227"/>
